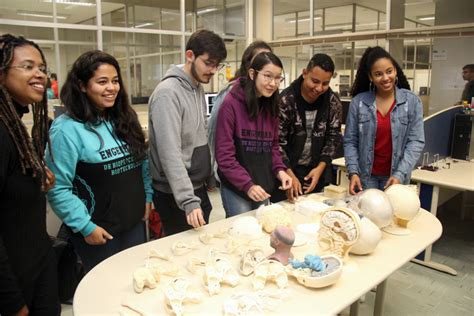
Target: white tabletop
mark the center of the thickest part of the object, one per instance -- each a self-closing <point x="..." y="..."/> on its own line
<point x="103" y="289"/>
<point x="459" y="176"/>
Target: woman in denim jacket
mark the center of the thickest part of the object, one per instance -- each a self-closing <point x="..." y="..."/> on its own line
<point x="384" y="133"/>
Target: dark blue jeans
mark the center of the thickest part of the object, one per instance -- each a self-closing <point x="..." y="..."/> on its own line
<point x="375" y="182"/>
<point x="93" y="255"/>
<point x="234" y="204"/>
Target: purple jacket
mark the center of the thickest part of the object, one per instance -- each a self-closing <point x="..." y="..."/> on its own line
<point x="247" y="151"/>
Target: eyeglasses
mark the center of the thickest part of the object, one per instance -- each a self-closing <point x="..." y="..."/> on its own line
<point x="29" y="68"/>
<point x="267" y="77"/>
<point x="210" y="64"/>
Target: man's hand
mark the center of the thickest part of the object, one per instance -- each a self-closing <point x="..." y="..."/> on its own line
<point x="355" y="184"/>
<point x="313" y="176"/>
<point x="196" y="218"/>
<point x="99" y="236"/>
<point x="390" y="181"/>
<point x="295" y="190"/>
<point x="257" y="193"/>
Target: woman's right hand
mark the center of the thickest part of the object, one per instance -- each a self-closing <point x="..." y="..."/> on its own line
<point x="355" y="184"/>
<point x="99" y="236"/>
<point x="257" y="193"/>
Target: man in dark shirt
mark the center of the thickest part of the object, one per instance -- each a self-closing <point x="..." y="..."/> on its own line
<point x="310" y="126"/>
<point x="468" y="75"/>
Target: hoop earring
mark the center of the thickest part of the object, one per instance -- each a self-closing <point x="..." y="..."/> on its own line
<point x="396" y="81"/>
<point x="371" y="86"/>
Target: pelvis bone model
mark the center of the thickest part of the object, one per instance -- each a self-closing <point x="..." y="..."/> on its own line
<point x="219" y="270"/>
<point x="269" y="270"/>
<point x="178" y="293"/>
<point x="339" y="230"/>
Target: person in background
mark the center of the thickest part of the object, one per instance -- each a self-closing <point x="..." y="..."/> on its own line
<point x="28" y="267"/>
<point x="468" y="75"/>
<point x="49" y="90"/>
<point x="310" y="127"/>
<point x="180" y="162"/>
<point x="247" y="150"/>
<point x="249" y="53"/>
<point x="384" y="134"/>
<point x="54" y="85"/>
<point x="103" y="190"/>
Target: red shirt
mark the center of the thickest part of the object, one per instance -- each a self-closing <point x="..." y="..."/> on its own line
<point x="383" y="145"/>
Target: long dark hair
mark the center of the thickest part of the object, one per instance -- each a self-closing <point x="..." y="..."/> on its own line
<point x="252" y="102"/>
<point x="80" y="108"/>
<point x="31" y="153"/>
<point x="247" y="57"/>
<point x="370" y="56"/>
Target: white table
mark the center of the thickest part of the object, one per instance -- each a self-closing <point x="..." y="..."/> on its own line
<point x="102" y="290"/>
<point x="459" y="176"/>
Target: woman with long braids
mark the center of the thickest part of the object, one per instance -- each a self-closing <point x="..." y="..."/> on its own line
<point x="247" y="147"/>
<point x="28" y="280"/>
<point x="103" y="188"/>
<point x="384" y="133"/>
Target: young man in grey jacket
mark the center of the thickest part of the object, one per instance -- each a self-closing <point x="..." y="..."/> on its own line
<point x="179" y="153"/>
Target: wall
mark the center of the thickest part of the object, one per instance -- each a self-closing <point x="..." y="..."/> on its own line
<point x="446" y="79"/>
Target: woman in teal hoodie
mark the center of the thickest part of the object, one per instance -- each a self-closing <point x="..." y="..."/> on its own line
<point x="103" y="188"/>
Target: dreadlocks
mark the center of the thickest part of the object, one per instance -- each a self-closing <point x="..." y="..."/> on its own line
<point x="31" y="153"/>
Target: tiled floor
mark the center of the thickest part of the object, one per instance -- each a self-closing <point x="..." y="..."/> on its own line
<point x="417" y="290"/>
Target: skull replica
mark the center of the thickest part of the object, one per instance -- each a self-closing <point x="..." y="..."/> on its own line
<point x="339" y="231"/>
<point x="406" y="204"/>
<point x="370" y="236"/>
<point x="375" y="205"/>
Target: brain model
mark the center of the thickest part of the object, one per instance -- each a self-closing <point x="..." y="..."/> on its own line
<point x="272" y="216"/>
<point x="339" y="230"/>
<point x="375" y="205"/>
<point x="404" y="200"/>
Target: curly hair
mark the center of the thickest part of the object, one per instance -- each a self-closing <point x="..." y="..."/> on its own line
<point x="370" y="56"/>
<point x="30" y="149"/>
<point x="79" y="107"/>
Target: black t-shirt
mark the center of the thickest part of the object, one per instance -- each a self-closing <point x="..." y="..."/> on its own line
<point x="24" y="242"/>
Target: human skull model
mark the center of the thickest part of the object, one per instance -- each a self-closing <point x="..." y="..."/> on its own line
<point x="405" y="202"/>
<point x="370" y="236"/>
<point x="339" y="230"/>
<point x="375" y="205"/>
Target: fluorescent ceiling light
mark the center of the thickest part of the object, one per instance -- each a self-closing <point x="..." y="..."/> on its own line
<point x="427" y="18"/>
<point x="72" y="2"/>
<point x="292" y="20"/>
<point x="40" y="15"/>
<point x="206" y="10"/>
<point x="417" y="3"/>
<point x="143" y="25"/>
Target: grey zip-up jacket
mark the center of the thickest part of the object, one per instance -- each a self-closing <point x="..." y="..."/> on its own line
<point x="179" y="154"/>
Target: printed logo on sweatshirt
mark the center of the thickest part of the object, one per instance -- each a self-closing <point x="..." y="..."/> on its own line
<point x="253" y="133"/>
<point x="113" y="152"/>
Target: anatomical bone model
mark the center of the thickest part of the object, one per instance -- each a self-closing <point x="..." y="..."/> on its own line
<point x="178" y="293"/>
<point x="270" y="270"/>
<point x="250" y="258"/>
<point x="339" y="230"/>
<point x="219" y="270"/>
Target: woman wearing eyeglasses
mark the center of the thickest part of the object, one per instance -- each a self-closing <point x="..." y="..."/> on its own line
<point x="247" y="149"/>
<point x="28" y="280"/>
<point x="103" y="188"/>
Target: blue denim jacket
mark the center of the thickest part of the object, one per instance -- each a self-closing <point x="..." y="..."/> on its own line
<point x="408" y="137"/>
